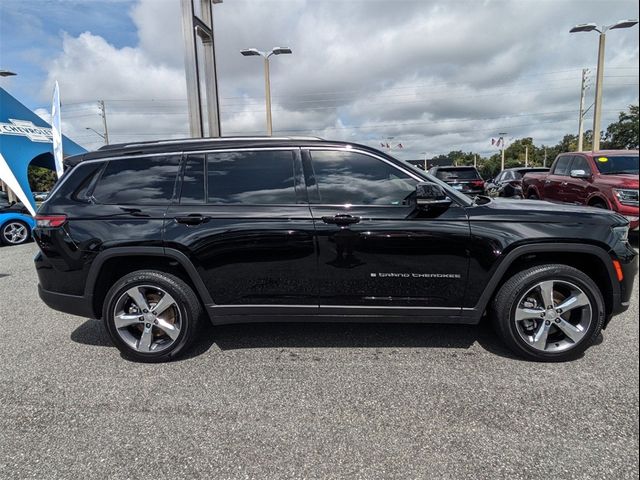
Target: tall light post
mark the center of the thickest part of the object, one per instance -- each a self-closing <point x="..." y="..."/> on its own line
<point x="425" y="159"/>
<point x="249" y="52"/>
<point x="98" y="133"/>
<point x="501" y="138"/>
<point x="597" y="111"/>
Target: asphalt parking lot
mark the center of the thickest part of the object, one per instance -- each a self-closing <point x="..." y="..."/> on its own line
<point x="306" y="401"/>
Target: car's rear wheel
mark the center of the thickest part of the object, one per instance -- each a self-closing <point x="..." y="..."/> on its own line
<point x="532" y="196"/>
<point x="549" y="313"/>
<point x="151" y="316"/>
<point x="15" y="232"/>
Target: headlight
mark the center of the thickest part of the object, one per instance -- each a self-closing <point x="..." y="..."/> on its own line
<point x="621" y="233"/>
<point x="627" y="196"/>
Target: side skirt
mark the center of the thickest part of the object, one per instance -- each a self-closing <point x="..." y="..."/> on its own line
<point x="221" y="315"/>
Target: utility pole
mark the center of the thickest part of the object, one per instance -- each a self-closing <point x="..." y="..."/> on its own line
<point x="526" y="155"/>
<point x="475" y="160"/>
<point x="583" y="89"/>
<point x="544" y="160"/>
<point x="103" y="114"/>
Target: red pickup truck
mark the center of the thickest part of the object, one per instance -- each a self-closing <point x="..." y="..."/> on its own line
<point x="604" y="179"/>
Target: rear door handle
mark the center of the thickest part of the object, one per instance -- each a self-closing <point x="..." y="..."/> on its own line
<point x="340" y="219"/>
<point x="193" y="219"/>
<point x="564" y="184"/>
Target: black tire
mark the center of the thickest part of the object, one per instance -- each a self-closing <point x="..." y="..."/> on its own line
<point x="4" y="235"/>
<point x="506" y="302"/>
<point x="186" y="301"/>
<point x="599" y="204"/>
<point x="532" y="196"/>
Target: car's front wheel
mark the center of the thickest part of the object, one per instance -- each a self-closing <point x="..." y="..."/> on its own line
<point x="15" y="232"/>
<point x="549" y="313"/>
<point x="151" y="316"/>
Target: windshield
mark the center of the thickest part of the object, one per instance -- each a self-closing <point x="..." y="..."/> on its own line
<point x="457" y="174"/>
<point x="608" y="165"/>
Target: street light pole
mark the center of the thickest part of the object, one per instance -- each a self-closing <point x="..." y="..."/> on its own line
<point x="589" y="27"/>
<point x="597" y="109"/>
<point x="267" y="80"/>
<point x="97" y="133"/>
<point x="425" y="160"/>
<point x="267" y="95"/>
<point x="502" y="153"/>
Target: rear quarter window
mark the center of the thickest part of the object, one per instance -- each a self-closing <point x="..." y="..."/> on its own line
<point x="75" y="183"/>
<point x="138" y="181"/>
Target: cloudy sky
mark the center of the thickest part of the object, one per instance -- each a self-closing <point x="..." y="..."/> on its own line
<point x="434" y="75"/>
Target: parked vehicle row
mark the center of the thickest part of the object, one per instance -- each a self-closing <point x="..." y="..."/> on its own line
<point x="155" y="238"/>
<point x="508" y="183"/>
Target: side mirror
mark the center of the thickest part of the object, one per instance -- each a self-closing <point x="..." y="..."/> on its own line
<point x="580" y="174"/>
<point x="430" y="195"/>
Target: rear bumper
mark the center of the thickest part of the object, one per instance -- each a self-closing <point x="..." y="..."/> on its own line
<point x="73" y="304"/>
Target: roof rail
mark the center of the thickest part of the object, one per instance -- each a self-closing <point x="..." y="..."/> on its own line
<point x="204" y="140"/>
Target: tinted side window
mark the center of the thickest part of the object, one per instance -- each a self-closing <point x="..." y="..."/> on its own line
<point x="193" y="180"/>
<point x="562" y="165"/>
<point x="254" y="178"/>
<point x="580" y="163"/>
<point x="143" y="181"/>
<point x="357" y="179"/>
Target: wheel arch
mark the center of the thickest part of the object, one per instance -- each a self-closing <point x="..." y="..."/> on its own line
<point x="598" y="198"/>
<point x="114" y="263"/>
<point x="531" y="189"/>
<point x="591" y="259"/>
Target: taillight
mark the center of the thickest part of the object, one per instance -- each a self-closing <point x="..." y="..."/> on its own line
<point x="478" y="183"/>
<point x="50" y="221"/>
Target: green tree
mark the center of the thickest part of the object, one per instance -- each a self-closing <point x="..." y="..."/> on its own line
<point x="624" y="133"/>
<point x="41" y="179"/>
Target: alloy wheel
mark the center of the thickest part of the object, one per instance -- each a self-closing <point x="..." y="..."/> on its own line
<point x="147" y="318"/>
<point x="15" y="233"/>
<point x="553" y="316"/>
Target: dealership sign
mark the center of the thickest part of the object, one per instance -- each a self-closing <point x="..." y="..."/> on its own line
<point x="27" y="129"/>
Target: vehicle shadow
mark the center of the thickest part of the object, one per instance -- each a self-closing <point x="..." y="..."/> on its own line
<point x="323" y="335"/>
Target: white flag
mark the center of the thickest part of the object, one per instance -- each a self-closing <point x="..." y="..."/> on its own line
<point x="56" y="130"/>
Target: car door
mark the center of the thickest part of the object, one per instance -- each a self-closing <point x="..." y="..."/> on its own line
<point x="577" y="190"/>
<point x="375" y="254"/>
<point x="243" y="219"/>
<point x="553" y="187"/>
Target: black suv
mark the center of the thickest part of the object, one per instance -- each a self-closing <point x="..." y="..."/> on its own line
<point x="154" y="237"/>
<point x="464" y="179"/>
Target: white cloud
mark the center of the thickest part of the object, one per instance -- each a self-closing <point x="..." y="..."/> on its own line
<point x="437" y="76"/>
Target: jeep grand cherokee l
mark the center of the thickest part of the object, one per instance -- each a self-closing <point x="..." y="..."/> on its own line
<point x="156" y="237"/>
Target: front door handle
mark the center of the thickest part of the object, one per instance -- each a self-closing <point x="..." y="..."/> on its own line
<point x="341" y="219"/>
<point x="193" y="219"/>
<point x="564" y="184"/>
